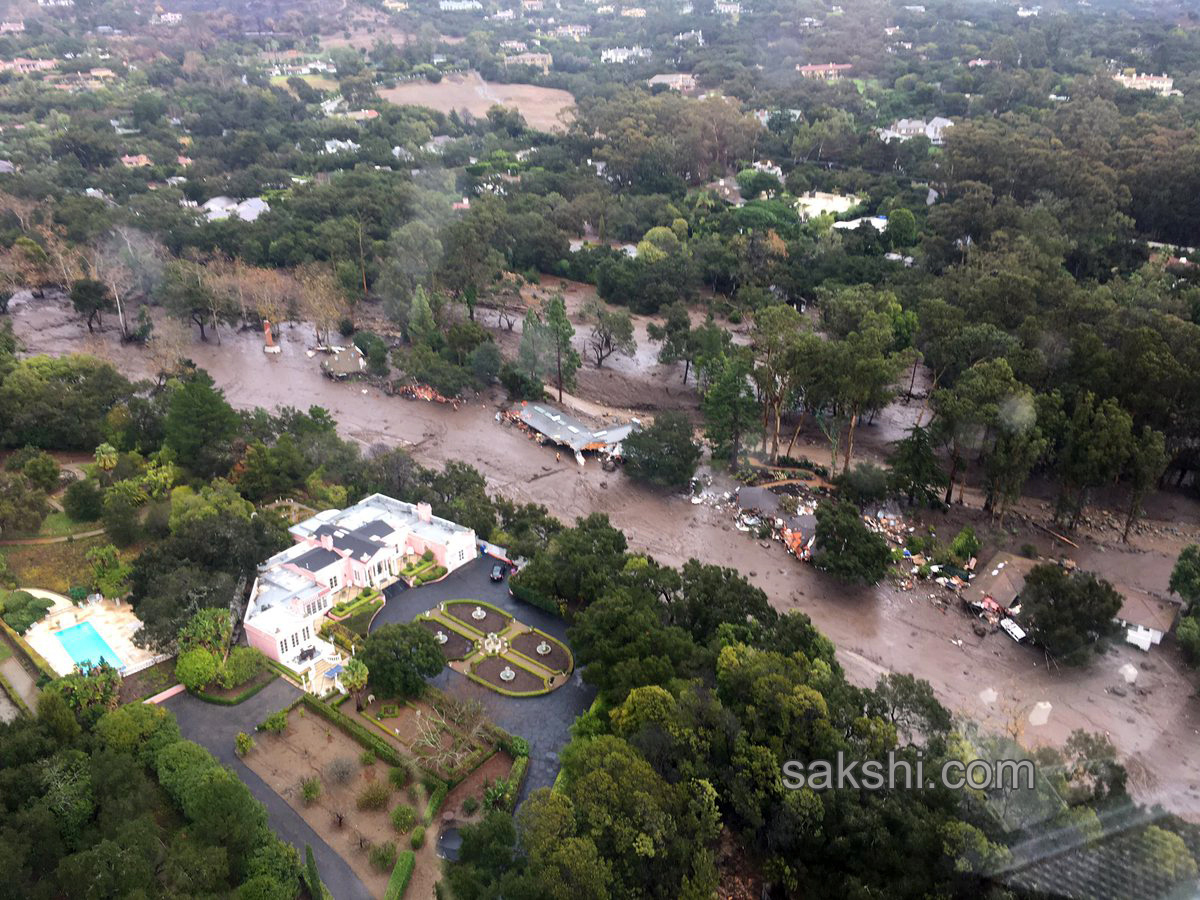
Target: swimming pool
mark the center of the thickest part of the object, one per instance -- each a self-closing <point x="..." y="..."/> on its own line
<point x="85" y="645"/>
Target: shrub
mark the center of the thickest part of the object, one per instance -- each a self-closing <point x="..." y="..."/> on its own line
<point x="418" y="837"/>
<point x="515" y="746"/>
<point x="275" y="723"/>
<point x="404" y="818"/>
<point x="310" y="790"/>
<point x="1029" y="551"/>
<point x="196" y="668"/>
<point x="340" y="770"/>
<point x="389" y="711"/>
<point x="398" y="883"/>
<point x="470" y="804"/>
<point x="21" y="609"/>
<point x="494" y="794"/>
<point x="78" y="594"/>
<point x="374" y="796"/>
<point x="965" y="545"/>
<point x="83" y="501"/>
<point x="383" y="856"/>
<point x="243" y="743"/>
<point x="398" y="776"/>
<point x="242" y="665"/>
<point x="427" y="556"/>
<point x="367" y="758"/>
<point x="435" y="801"/>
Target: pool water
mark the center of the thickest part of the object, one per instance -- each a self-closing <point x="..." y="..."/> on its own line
<point x="85" y="645"/>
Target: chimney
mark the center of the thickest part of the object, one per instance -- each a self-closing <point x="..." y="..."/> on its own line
<point x="327" y="541"/>
<point x="424" y="512"/>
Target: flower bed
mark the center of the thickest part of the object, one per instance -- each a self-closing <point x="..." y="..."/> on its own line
<point x="525" y="682"/>
<point x="356" y="604"/>
<point x="526" y="644"/>
<point x="493" y="621"/>
<point x="456" y="647"/>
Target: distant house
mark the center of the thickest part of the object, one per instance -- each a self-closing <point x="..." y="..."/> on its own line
<point x="727" y="8"/>
<point x="905" y="129"/>
<point x="565" y="430"/>
<point x="344" y="362"/>
<point x="1026" y="12"/>
<point x="437" y="144"/>
<point x="136" y="161"/>
<point x="676" y="81"/>
<point x="820" y="203"/>
<point x="824" y="71"/>
<point x="572" y="31"/>
<point x="402" y="154"/>
<point x="219" y="208"/>
<point x="1160" y="84"/>
<point x="6" y="167"/>
<point x="334" y="145"/>
<point x="980" y="62"/>
<point x="504" y="15"/>
<point x="694" y="35"/>
<point x="337" y="553"/>
<point x="541" y="61"/>
<point x="459" y="5"/>
<point x="620" y="55"/>
<point x="24" y="66"/>
<point x="12" y="27"/>
<point x="170" y="19"/>
<point x="879" y="223"/>
<point x="633" y="12"/>
<point x="1146" y="618"/>
<point x="727" y="189"/>
<point x="514" y="46"/>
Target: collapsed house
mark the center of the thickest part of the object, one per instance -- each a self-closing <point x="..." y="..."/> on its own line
<point x="796" y="531"/>
<point x="344" y="362"/>
<point x="548" y="424"/>
<point x="994" y="594"/>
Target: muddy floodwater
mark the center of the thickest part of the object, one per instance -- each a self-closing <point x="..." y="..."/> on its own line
<point x="1154" y="724"/>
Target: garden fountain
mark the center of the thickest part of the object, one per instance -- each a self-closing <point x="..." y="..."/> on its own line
<point x="492" y="644"/>
<point x="543" y="649"/>
<point x="441" y="636"/>
<point x="478" y="614"/>
<point x="507" y="674"/>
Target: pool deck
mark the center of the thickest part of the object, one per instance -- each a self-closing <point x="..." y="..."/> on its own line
<point x="114" y="621"/>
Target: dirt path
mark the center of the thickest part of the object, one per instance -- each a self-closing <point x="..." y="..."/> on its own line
<point x="879" y="629"/>
<point x="61" y="539"/>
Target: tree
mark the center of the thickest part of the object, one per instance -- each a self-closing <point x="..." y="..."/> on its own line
<point x="577" y="566"/>
<point x="208" y="629"/>
<point x="1097" y="443"/>
<point x="901" y="228"/>
<point x="355" y="677"/>
<point x="1070" y="615"/>
<point x="729" y="405"/>
<point x="199" y="424"/>
<point x="663" y="453"/>
<point x="83" y="500"/>
<point x="864" y="485"/>
<point x="777" y="339"/>
<point x="188" y="295"/>
<point x="612" y="332"/>
<point x="1147" y="461"/>
<point x="846" y="548"/>
<point x="559" y="332"/>
<point x="421" y="327"/>
<point x="1185" y="576"/>
<point x="39" y="467"/>
<point x="22" y="505"/>
<point x="90" y="691"/>
<point x="534" y="353"/>
<point x="675" y="336"/>
<point x="915" y="471"/>
<point x="400" y="658"/>
<point x="91" y="298"/>
<point x="110" y="575"/>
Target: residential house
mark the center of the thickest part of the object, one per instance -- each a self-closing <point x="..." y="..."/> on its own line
<point x="170" y="19"/>
<point x="395" y="5"/>
<point x="7" y="167"/>
<point x="980" y="62"/>
<point x="824" y="71"/>
<point x="1161" y="84"/>
<point x="1146" y="618"/>
<point x="676" y="81"/>
<point x="572" y="31"/>
<point x="633" y="12"/>
<point x="334" y="145"/>
<point x="343" y="362"/>
<point x="820" y="203"/>
<point x="12" y="27"/>
<point x="695" y="35"/>
<point x="565" y="430"/>
<point x="223" y="207"/>
<point x="136" y="161"/>
<point x="459" y="5"/>
<point x="1026" y="12"/>
<point x="727" y="189"/>
<point x="24" y="66"/>
<point x="541" y="61"/>
<point x="505" y="15"/>
<point x="532" y="5"/>
<point x="727" y="8"/>
<point x="337" y="553"/>
<point x="767" y="167"/>
<point x="879" y="223"/>
<point x="514" y="46"/>
<point x="622" y="55"/>
<point x="904" y="129"/>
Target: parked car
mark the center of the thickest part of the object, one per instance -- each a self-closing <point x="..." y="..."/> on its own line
<point x="498" y="571"/>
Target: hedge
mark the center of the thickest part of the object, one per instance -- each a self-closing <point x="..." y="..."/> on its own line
<point x="532" y="597"/>
<point x="35" y="658"/>
<point x="398" y="883"/>
<point x="516" y="777"/>
<point x="383" y="750"/>
<point x="436" y="799"/>
<point x="6" y="686"/>
<point x="235" y="700"/>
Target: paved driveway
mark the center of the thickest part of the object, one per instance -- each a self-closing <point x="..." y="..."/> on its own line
<point x="215" y="727"/>
<point x="543" y="721"/>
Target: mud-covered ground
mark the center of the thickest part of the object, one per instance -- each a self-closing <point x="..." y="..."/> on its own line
<point x="1154" y="723"/>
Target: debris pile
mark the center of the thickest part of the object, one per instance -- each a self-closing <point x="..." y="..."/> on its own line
<point x="416" y="391"/>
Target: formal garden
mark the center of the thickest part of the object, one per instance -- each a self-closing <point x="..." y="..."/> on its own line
<point x="489" y="646"/>
<point x="374" y="783"/>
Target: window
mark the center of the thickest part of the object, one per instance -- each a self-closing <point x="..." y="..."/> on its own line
<point x="283" y="648"/>
<point x="295" y="641"/>
<point x="332" y="581"/>
<point x="462" y="554"/>
<point x="307" y="635"/>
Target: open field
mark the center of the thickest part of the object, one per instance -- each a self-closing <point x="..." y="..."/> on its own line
<point x="56" y="567"/>
<point x="541" y="106"/>
<point x="316" y="82"/>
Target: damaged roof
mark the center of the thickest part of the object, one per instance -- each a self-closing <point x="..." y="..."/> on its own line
<point x="571" y="432"/>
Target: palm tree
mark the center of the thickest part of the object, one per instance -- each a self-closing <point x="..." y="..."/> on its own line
<point x="106" y="457"/>
<point x="354" y="677"/>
